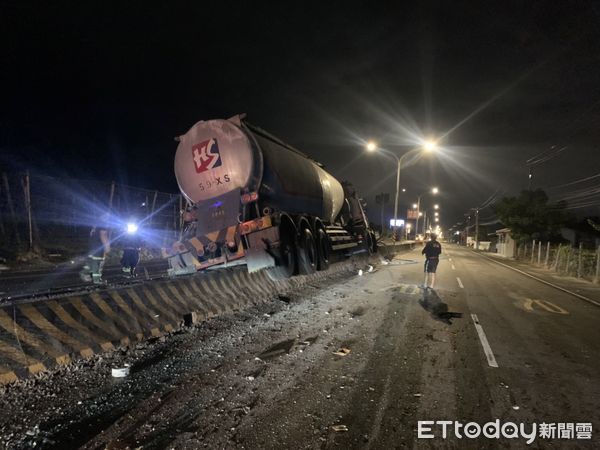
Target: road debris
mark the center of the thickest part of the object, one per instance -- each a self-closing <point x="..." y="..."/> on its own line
<point x="121" y="372"/>
<point x="339" y="428"/>
<point x="284" y="298"/>
<point x="342" y="351"/>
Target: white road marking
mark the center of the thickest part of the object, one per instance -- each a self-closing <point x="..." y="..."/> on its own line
<point x="453" y="268"/>
<point x="460" y="283"/>
<point x="574" y="294"/>
<point x="484" y="342"/>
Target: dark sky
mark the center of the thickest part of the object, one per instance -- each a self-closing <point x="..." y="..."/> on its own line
<point x="99" y="91"/>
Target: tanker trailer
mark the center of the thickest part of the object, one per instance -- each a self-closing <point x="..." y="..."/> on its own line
<point x="253" y="197"/>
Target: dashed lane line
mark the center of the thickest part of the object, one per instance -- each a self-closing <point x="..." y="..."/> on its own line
<point x="491" y="359"/>
<point x="460" y="283"/>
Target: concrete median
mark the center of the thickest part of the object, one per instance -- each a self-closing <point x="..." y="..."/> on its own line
<point x="39" y="335"/>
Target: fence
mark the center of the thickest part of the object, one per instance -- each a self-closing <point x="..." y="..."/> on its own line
<point x="46" y="214"/>
<point x="578" y="262"/>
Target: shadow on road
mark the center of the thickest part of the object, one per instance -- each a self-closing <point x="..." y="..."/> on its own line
<point x="433" y="304"/>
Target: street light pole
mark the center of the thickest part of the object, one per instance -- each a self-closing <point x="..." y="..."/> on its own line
<point x="433" y="191"/>
<point x="477" y="229"/>
<point x="418" y="212"/>
<point x="428" y="146"/>
<point x="399" y="160"/>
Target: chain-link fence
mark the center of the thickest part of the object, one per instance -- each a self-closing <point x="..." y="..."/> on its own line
<point x="49" y="215"/>
<point x="564" y="259"/>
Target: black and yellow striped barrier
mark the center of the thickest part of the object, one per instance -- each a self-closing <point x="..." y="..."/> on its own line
<point x="42" y="334"/>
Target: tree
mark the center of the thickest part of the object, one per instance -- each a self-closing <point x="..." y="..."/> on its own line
<point x="530" y="216"/>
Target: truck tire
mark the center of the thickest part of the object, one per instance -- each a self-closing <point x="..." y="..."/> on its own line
<point x="307" y="251"/>
<point x="323" y="249"/>
<point x="288" y="255"/>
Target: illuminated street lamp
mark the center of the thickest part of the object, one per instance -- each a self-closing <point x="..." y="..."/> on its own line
<point x="436" y="206"/>
<point x="436" y="214"/>
<point x="430" y="146"/>
<point x="414" y="206"/>
<point x="427" y="146"/>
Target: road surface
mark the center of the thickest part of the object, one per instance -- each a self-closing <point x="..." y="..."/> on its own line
<point x="356" y="362"/>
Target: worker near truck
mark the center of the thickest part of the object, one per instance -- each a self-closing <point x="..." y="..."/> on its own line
<point x="99" y="247"/>
<point x="432" y="252"/>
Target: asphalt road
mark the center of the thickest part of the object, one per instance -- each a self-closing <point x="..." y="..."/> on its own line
<point x="487" y="344"/>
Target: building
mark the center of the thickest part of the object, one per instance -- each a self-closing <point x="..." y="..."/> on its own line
<point x="506" y="245"/>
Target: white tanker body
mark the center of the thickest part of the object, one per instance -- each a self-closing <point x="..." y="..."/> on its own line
<point x="257" y="198"/>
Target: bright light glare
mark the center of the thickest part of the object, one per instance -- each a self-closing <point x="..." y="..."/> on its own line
<point x="132" y="228"/>
<point x="371" y="146"/>
<point x="434" y="190"/>
<point x="436" y="206"/>
<point x="414" y="206"/>
<point x="430" y="146"/>
<point x="437" y="219"/>
<point x="437" y="214"/>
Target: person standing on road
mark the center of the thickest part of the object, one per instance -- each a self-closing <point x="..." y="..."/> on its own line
<point x="99" y="246"/>
<point x="432" y="251"/>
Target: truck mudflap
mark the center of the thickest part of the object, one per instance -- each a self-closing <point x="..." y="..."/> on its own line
<point x="259" y="254"/>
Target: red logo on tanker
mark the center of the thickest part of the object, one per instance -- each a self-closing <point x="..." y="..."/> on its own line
<point x="206" y="155"/>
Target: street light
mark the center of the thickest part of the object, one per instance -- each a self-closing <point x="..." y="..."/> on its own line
<point x="427" y="146"/>
<point x="414" y="206"/>
<point x="436" y="206"/>
<point x="430" y="146"/>
<point x="436" y="214"/>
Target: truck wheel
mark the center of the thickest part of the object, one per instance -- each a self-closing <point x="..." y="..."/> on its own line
<point x="307" y="252"/>
<point x="287" y="262"/>
<point x="323" y="249"/>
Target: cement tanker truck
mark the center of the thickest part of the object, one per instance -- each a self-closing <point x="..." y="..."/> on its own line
<point x="255" y="199"/>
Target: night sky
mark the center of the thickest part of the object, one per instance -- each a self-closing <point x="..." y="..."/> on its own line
<point x="100" y="91"/>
